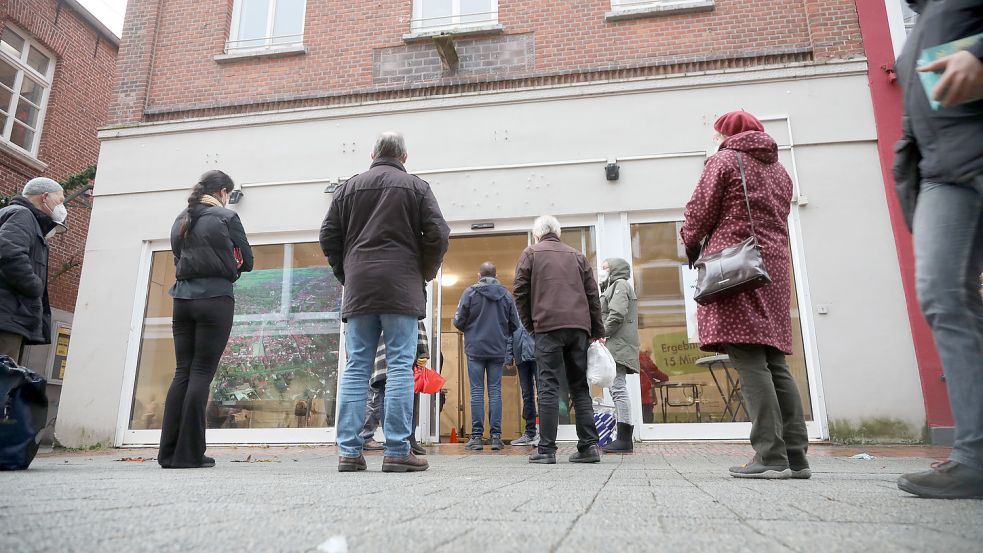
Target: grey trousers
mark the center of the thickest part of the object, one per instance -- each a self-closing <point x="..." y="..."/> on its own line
<point x="619" y="393"/>
<point x="948" y="262"/>
<point x="10" y="345"/>
<point x="778" y="427"/>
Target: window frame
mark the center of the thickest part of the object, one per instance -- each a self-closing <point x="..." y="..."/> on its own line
<point x="417" y="25"/>
<point x="46" y="80"/>
<point x="268" y="43"/>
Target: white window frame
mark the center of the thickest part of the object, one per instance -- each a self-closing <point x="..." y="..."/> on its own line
<point x="268" y="44"/>
<point x="46" y="81"/>
<point x="622" y="5"/>
<point x="419" y="25"/>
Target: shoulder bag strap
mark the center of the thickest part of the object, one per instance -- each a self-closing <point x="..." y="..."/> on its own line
<point x="747" y="201"/>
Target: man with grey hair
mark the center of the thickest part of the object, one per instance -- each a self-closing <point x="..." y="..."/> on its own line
<point x="385" y="238"/>
<point x="558" y="300"/>
<point x="25" y="225"/>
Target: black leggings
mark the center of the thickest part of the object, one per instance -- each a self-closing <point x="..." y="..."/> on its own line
<point x="201" y="332"/>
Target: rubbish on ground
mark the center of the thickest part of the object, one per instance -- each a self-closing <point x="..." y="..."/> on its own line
<point x="135" y="459"/>
<point x="336" y="544"/>
<point x="863" y="457"/>
<point x="249" y="459"/>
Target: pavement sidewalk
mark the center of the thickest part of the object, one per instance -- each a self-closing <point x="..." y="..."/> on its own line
<point x="666" y="497"/>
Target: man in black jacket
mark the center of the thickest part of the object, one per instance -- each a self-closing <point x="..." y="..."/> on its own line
<point x="385" y="238"/>
<point x="25" y="224"/>
<point x="941" y="163"/>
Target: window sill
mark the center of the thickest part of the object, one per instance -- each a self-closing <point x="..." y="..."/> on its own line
<point x="272" y="52"/>
<point x="22" y="156"/>
<point x="486" y="29"/>
<point x="660" y="10"/>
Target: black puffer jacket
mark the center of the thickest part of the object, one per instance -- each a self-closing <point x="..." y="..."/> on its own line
<point x="950" y="140"/>
<point x="207" y="249"/>
<point x="384" y="237"/>
<point x="24" y="307"/>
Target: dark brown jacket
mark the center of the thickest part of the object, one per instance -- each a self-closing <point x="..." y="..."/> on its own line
<point x="555" y="288"/>
<point x="384" y="237"/>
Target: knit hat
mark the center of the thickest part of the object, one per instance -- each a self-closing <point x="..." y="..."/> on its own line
<point x="737" y="122"/>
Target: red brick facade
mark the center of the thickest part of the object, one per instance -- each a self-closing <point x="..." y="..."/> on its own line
<point x="77" y="106"/>
<point x="168" y="68"/>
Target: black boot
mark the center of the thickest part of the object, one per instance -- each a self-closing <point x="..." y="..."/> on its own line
<point x="415" y="446"/>
<point x="623" y="443"/>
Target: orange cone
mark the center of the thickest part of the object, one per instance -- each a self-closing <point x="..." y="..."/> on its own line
<point x="453" y="435"/>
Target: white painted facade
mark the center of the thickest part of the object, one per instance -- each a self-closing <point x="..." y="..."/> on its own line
<point x="508" y="157"/>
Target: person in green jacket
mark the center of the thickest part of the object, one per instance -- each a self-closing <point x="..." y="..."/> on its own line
<point x="619" y="309"/>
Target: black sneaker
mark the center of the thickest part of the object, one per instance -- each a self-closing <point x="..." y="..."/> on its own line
<point x="754" y="469"/>
<point x="589" y="455"/>
<point x="475" y="444"/>
<point x="538" y="458"/>
<point x="948" y="480"/>
<point x="496" y="443"/>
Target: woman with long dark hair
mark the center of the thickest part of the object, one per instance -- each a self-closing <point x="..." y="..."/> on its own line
<point x="210" y="252"/>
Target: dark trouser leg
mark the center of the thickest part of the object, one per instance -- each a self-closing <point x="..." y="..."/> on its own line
<point x="213" y="324"/>
<point x="527" y="383"/>
<point x="183" y="330"/>
<point x="549" y="362"/>
<point x="575" y="360"/>
<point x="761" y="400"/>
<point x="373" y="410"/>
<point x="793" y="421"/>
<point x="648" y="415"/>
<point x="948" y="261"/>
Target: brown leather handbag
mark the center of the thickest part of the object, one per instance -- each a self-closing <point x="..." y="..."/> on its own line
<point x="735" y="269"/>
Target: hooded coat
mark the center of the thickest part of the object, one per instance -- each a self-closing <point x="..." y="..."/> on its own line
<point x="760" y="316"/>
<point x="487" y="316"/>
<point x="619" y="309"/>
<point x="24" y="307"/>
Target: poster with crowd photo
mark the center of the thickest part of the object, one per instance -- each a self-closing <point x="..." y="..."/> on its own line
<point x="283" y="351"/>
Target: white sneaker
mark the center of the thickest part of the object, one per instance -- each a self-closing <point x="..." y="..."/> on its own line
<point x="524" y="440"/>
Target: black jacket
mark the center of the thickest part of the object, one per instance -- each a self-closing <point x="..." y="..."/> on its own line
<point x="384" y="237"/>
<point x="949" y="140"/>
<point x="24" y="307"/>
<point x="487" y="316"/>
<point x="206" y="252"/>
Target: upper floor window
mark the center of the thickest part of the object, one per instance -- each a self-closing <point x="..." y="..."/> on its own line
<point x="436" y="15"/>
<point x="26" y="71"/>
<point x="909" y="16"/>
<point x="258" y="24"/>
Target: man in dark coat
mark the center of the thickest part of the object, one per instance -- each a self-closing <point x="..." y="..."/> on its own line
<point x="559" y="302"/>
<point x="25" y="225"/>
<point x="384" y="237"/>
<point x="486" y="315"/>
<point x="939" y="171"/>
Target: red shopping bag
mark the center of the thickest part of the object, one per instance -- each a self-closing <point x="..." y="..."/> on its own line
<point x="427" y="380"/>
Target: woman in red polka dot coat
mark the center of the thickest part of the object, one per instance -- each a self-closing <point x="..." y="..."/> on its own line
<point x="754" y="328"/>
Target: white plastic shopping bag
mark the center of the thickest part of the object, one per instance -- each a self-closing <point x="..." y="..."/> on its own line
<point x="600" y="366"/>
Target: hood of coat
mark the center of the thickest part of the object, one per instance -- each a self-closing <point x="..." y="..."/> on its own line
<point x="618" y="269"/>
<point x="756" y="144"/>
<point x="490" y="288"/>
<point x="917" y="6"/>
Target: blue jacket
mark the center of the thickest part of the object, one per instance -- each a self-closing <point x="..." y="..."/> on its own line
<point x="525" y="351"/>
<point x="487" y="316"/>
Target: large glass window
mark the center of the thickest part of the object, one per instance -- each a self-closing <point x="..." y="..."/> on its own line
<point x="26" y="71"/>
<point x="658" y="258"/>
<point x="431" y="15"/>
<point x="280" y="368"/>
<point x="266" y="23"/>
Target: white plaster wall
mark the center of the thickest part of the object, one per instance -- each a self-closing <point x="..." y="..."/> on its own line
<point x="863" y="343"/>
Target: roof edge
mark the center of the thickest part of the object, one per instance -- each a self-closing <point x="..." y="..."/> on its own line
<point x="94" y="21"/>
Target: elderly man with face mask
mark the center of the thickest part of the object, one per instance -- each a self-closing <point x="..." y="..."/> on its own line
<point x="25" y="225"/>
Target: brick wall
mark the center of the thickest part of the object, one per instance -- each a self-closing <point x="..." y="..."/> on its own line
<point x="168" y="69"/>
<point x="77" y="107"/>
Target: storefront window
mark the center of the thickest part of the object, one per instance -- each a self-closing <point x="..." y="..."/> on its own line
<point x="280" y="368"/>
<point x="658" y="257"/>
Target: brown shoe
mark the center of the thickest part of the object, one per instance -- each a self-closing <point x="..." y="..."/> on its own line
<point x="351" y="464"/>
<point x="372" y="445"/>
<point x="410" y="463"/>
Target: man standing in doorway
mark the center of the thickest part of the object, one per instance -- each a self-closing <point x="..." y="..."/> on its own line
<point x="487" y="317"/>
<point x="384" y="237"/>
<point x="559" y="302"/>
<point x="25" y="224"/>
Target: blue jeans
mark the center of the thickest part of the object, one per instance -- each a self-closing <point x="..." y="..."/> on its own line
<point x="948" y="262"/>
<point x="478" y="368"/>
<point x="361" y="340"/>
<point x="527" y="383"/>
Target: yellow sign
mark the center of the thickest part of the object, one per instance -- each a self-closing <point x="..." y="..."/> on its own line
<point x="62" y="340"/>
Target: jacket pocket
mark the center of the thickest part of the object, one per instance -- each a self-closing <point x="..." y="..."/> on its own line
<point x="907" y="176"/>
